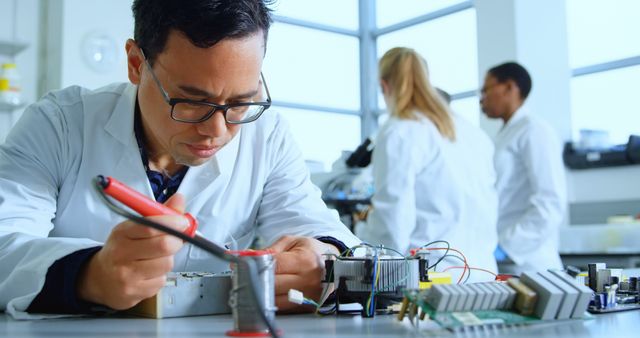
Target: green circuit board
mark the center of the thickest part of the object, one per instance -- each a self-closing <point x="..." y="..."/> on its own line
<point x="455" y="321"/>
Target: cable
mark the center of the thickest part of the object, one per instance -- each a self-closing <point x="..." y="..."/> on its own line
<point x="472" y="268"/>
<point x="455" y="250"/>
<point x="203" y="244"/>
<point x="463" y="262"/>
<point x="441" y="258"/>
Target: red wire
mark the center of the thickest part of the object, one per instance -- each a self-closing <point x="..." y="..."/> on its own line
<point x="466" y="265"/>
<point x="471" y="268"/>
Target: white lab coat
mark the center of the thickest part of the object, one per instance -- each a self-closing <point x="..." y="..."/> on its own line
<point x="428" y="188"/>
<point x="257" y="184"/>
<point x="532" y="192"/>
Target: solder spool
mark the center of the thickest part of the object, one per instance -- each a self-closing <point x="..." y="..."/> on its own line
<point x="247" y="321"/>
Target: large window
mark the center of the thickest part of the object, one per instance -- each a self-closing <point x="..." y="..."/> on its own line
<point x="448" y="43"/>
<point x="314" y="56"/>
<point x="605" y="59"/>
<point x="314" y="75"/>
<point x="391" y="12"/>
<point x="313" y="67"/>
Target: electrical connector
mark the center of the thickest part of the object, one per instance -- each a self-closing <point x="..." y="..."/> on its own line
<point x="296" y="296"/>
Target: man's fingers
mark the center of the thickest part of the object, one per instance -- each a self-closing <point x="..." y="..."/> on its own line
<point x="155" y="247"/>
<point x="133" y="230"/>
<point x="176" y="202"/>
<point x="283" y="244"/>
<point x="297" y="262"/>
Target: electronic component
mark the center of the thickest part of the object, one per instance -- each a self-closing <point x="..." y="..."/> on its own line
<point x="593" y="269"/>
<point x="374" y="280"/>
<point x="188" y="294"/>
<point x="549" y="296"/>
<point x="568" y="303"/>
<point x="438" y="297"/>
<point x="526" y="298"/>
<point x="584" y="293"/>
<point x="435" y="278"/>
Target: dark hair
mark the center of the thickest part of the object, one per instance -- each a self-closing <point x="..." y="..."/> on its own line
<point x="204" y="22"/>
<point x="517" y="73"/>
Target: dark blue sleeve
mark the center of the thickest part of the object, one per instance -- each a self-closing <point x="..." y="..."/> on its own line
<point x="335" y="242"/>
<point x="59" y="295"/>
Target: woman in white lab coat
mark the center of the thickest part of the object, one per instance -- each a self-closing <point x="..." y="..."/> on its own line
<point x="432" y="171"/>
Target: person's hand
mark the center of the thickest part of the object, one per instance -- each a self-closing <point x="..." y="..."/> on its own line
<point x="300" y="266"/>
<point x="133" y="263"/>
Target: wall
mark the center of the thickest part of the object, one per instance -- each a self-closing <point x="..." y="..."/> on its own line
<point x="513" y="30"/>
<point x="27" y="30"/>
<point x="78" y="30"/>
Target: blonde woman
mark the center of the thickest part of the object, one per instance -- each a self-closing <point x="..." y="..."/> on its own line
<point x="433" y="173"/>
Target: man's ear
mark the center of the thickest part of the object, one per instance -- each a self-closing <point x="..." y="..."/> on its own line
<point x="134" y="62"/>
<point x="512" y="88"/>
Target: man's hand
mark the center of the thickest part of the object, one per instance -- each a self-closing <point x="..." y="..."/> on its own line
<point x="299" y="265"/>
<point x="133" y="263"/>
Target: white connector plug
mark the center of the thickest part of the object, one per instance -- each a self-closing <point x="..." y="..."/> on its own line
<point x="296" y="296"/>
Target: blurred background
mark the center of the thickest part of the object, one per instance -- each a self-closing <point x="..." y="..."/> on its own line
<point x="321" y="62"/>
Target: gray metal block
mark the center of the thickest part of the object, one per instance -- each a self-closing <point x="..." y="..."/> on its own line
<point x="494" y="296"/>
<point x="502" y="295"/>
<point x="438" y="297"/>
<point x="188" y="294"/>
<point x="568" y="302"/>
<point x="549" y="296"/>
<point x="584" y="293"/>
<point x="455" y="296"/>
<point x="479" y="296"/>
<point x="469" y="299"/>
<point x="488" y="296"/>
<point x="511" y="296"/>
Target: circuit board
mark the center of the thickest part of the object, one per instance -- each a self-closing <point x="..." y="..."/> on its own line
<point x="617" y="308"/>
<point x="456" y="321"/>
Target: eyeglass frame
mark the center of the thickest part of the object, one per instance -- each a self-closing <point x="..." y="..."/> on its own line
<point x="173" y="101"/>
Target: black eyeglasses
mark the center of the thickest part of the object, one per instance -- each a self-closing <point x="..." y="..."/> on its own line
<point x="191" y="111"/>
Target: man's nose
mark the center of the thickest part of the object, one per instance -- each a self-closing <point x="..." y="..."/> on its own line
<point x="213" y="127"/>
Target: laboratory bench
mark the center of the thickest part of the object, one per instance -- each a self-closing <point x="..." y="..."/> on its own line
<point x="613" y="244"/>
<point x="615" y="325"/>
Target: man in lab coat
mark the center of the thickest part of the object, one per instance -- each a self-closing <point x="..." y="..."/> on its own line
<point x="531" y="183"/>
<point x="192" y="129"/>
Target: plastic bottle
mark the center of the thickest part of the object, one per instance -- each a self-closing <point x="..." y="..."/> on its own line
<point x="10" y="86"/>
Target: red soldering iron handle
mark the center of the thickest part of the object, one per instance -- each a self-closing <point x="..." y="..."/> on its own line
<point x="141" y="203"/>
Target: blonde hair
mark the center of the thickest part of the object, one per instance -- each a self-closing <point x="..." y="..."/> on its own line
<point x="408" y="77"/>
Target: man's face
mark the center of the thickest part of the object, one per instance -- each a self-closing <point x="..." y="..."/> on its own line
<point x="493" y="97"/>
<point x="228" y="72"/>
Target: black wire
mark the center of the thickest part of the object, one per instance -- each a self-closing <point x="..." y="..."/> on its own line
<point x="443" y="256"/>
<point x="203" y="244"/>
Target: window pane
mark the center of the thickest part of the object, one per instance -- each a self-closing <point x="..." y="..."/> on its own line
<point x="313" y="67"/>
<point x="607" y="101"/>
<point x="339" y="13"/>
<point x="449" y="44"/>
<point x="601" y="31"/>
<point x="322" y="136"/>
<point x="469" y="108"/>
<point x="393" y="11"/>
